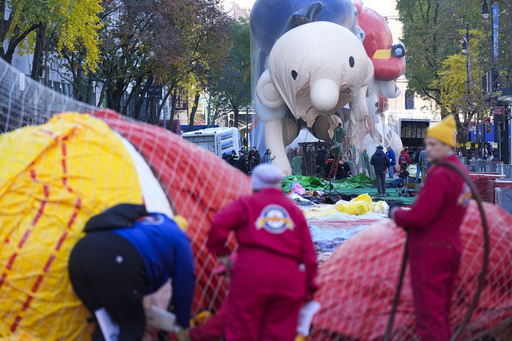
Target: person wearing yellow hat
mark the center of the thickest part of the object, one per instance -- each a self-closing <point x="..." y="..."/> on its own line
<point x="435" y="245"/>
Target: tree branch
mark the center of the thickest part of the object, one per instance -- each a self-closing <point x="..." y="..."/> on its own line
<point x="14" y="42"/>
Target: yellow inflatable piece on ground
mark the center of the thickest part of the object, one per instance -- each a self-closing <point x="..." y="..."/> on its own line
<point x="380" y="207"/>
<point x="358" y="206"/>
<point x="53" y="178"/>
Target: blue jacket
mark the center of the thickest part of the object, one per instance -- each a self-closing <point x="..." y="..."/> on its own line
<point x="391" y="157"/>
<point x="167" y="253"/>
<point x="267" y="158"/>
<point x="380" y="161"/>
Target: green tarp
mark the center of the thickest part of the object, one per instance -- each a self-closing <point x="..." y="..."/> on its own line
<point x="311" y="183"/>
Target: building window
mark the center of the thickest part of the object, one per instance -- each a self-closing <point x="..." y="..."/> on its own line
<point x="409" y="101"/>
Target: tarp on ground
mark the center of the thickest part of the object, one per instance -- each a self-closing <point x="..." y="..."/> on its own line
<point x="311" y="183"/>
<point x="329" y="240"/>
<point x="358" y="282"/>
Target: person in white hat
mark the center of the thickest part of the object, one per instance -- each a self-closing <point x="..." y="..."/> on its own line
<point x="274" y="274"/>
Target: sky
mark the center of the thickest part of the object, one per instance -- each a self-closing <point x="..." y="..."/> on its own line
<point x="384" y="7"/>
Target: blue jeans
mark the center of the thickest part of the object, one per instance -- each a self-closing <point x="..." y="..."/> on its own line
<point x="418" y="172"/>
<point x="391" y="168"/>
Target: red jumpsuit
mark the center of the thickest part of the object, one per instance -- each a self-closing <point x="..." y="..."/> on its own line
<point x="404" y="160"/>
<point x="276" y="266"/>
<point x="435" y="248"/>
<point x="213" y="329"/>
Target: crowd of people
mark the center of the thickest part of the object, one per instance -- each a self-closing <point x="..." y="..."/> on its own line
<point x="247" y="161"/>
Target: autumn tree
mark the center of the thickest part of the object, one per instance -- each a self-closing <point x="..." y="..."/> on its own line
<point x="231" y="86"/>
<point x="458" y="96"/>
<point x="436" y="68"/>
<point x="26" y="25"/>
<point x="210" y="45"/>
<point x="149" y="43"/>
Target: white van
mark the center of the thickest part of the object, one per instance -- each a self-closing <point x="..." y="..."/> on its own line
<point x="218" y="140"/>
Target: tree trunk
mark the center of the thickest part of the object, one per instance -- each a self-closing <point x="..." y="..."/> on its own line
<point x="162" y="105"/>
<point x="134" y="92"/>
<point x="193" y="112"/>
<point x="235" y="112"/>
<point x="102" y="94"/>
<point x="117" y="95"/>
<point x="141" y="96"/>
<point x="89" y="95"/>
<point x="80" y="85"/>
<point x="16" y="40"/>
<point x="38" y="53"/>
<point x="174" y="99"/>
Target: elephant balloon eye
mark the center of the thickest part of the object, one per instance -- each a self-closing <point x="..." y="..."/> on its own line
<point x="351" y="61"/>
<point x="294" y="74"/>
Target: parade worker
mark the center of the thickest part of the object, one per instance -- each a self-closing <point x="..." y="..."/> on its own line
<point x="274" y="274"/>
<point x="433" y="223"/>
<point x="127" y="253"/>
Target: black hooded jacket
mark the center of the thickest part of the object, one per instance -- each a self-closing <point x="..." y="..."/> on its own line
<point x="380" y="161"/>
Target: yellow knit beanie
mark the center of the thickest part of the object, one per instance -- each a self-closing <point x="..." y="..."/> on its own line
<point x="444" y="131"/>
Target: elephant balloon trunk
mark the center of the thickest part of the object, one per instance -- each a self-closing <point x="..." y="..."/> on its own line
<point x="324" y="95"/>
<point x="274" y="138"/>
<point x="389" y="89"/>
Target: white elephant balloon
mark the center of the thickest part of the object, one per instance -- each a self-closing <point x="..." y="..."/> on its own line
<point x="376" y="101"/>
<point x="313" y="70"/>
<point x="389" y="139"/>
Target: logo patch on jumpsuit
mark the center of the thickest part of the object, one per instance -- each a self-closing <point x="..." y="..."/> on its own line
<point x="465" y="196"/>
<point x="274" y="219"/>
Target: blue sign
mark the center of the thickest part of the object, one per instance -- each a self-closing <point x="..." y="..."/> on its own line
<point x="495" y="24"/>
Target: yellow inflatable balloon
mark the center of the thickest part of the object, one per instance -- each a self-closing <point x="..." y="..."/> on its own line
<point x="53" y="178"/>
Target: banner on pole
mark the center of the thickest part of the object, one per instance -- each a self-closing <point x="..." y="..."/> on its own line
<point x="495" y="26"/>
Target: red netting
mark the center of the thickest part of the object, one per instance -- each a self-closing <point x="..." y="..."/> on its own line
<point x="358" y="282"/>
<point x="196" y="183"/>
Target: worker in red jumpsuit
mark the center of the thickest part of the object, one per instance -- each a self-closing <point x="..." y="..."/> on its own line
<point x="435" y="246"/>
<point x="404" y="160"/>
<point x="274" y="274"/>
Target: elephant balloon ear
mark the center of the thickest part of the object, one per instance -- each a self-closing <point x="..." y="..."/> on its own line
<point x="267" y="92"/>
<point x="297" y="19"/>
<point x="313" y="11"/>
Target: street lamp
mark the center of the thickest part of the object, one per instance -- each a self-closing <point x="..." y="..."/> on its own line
<point x="485" y="10"/>
<point x="494" y="14"/>
<point x="465" y="45"/>
<point x="465" y="49"/>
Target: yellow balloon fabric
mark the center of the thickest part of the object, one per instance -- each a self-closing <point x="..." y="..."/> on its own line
<point x="53" y="178"/>
<point x="358" y="206"/>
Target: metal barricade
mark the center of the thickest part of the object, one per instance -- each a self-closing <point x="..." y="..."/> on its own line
<point x="504" y="169"/>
